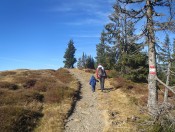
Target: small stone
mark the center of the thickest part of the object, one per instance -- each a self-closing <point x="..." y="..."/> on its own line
<point x="84" y="112"/>
<point x="77" y="120"/>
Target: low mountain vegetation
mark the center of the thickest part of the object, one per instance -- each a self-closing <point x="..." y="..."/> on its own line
<point x="126" y="107"/>
<point x="32" y="99"/>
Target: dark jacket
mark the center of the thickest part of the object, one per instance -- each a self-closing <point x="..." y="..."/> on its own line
<point x="92" y="81"/>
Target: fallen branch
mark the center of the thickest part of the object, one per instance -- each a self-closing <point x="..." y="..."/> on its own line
<point x="168" y="87"/>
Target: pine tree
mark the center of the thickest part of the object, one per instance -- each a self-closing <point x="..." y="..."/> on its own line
<point x="80" y="63"/>
<point x="69" y="55"/>
<point x="123" y="52"/>
<point x="167" y="57"/>
<point x="90" y="62"/>
<point x="101" y="50"/>
<point x="84" y="58"/>
<point x="86" y="62"/>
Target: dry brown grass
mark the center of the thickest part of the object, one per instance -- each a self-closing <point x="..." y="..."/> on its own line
<point x="92" y="71"/>
<point x="7" y="73"/>
<point x="139" y="91"/>
<point x="26" y="96"/>
<point x="15" y="118"/>
<point x="124" y="103"/>
<point x="64" y="76"/>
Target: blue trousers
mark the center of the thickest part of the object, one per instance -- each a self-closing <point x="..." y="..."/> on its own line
<point x="93" y="88"/>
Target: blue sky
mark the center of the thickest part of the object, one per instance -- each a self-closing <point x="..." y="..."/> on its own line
<point x="34" y="33"/>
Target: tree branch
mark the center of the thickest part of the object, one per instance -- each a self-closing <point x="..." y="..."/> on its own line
<point x="130" y="1"/>
<point x="165" y="25"/>
<point x="168" y="87"/>
<point x="131" y="13"/>
<point x="161" y="3"/>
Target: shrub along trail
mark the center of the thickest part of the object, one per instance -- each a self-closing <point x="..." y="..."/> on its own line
<point x="86" y="116"/>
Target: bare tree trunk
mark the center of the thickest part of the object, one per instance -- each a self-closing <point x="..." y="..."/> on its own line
<point x="167" y="83"/>
<point x="152" y="88"/>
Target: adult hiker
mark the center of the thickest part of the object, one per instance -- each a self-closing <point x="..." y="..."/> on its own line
<point x="101" y="74"/>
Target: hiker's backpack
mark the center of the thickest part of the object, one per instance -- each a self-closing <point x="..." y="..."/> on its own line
<point x="101" y="72"/>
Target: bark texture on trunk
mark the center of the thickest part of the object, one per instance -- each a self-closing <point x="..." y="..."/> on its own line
<point x="152" y="88"/>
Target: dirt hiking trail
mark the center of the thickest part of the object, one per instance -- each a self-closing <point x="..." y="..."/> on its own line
<point x="109" y="111"/>
<point x="87" y="117"/>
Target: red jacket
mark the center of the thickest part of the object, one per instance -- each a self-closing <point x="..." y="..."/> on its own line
<point x="97" y="71"/>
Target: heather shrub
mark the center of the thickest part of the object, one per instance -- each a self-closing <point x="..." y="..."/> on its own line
<point x="7" y="73"/>
<point x="29" y="83"/>
<point x="8" y="85"/>
<point x="19" y="97"/>
<point x="63" y="75"/>
<point x="57" y="94"/>
<point x="18" y="119"/>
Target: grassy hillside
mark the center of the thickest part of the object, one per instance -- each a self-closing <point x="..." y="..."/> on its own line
<point x="126" y="107"/>
<point x="30" y="100"/>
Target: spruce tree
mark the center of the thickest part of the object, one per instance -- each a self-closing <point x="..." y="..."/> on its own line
<point x="84" y="58"/>
<point x="86" y="62"/>
<point x="90" y="62"/>
<point x="69" y="55"/>
<point x="80" y="63"/>
<point x="101" y="50"/>
<point x="168" y="60"/>
<point x="122" y="50"/>
<point x="165" y="63"/>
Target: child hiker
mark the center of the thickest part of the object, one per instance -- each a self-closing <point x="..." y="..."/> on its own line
<point x="92" y="82"/>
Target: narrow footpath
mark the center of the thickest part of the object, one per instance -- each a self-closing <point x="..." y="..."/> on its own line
<point x="87" y="117"/>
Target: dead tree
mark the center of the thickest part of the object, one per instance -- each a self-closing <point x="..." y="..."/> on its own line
<point x="148" y="12"/>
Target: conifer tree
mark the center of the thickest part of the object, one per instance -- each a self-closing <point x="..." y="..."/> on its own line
<point x="90" y="62"/>
<point x="84" y="58"/>
<point x="122" y="51"/>
<point x="101" y="50"/>
<point x="79" y="63"/>
<point x="167" y="57"/>
<point x="165" y="60"/>
<point x="69" y="55"/>
<point x="86" y="62"/>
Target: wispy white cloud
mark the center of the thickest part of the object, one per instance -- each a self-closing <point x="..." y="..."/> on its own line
<point x="89" y="12"/>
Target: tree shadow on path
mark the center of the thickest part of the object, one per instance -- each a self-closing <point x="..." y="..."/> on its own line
<point x="107" y="90"/>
